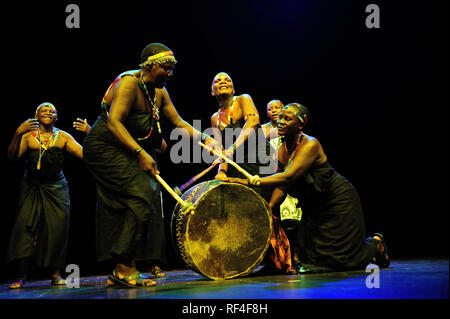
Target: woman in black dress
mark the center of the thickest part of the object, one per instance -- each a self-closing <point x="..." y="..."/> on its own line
<point x="237" y="127"/>
<point x="332" y="231"/>
<point x="39" y="233"/>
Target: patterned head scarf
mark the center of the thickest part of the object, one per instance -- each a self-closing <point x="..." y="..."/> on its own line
<point x="156" y="53"/>
<point x="300" y="111"/>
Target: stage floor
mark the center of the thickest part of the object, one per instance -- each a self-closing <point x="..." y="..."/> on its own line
<point x="404" y="279"/>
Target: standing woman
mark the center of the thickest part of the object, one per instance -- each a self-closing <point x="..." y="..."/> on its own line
<point x="238" y="112"/>
<point x="39" y="234"/>
<point x="119" y="152"/>
<point x="332" y="231"/>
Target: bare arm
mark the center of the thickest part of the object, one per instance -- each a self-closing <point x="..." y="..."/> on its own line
<point x="123" y="99"/>
<point x="19" y="143"/>
<point x="223" y="167"/>
<point x="248" y="110"/>
<point x="72" y="146"/>
<point x="301" y="162"/>
<point x="278" y="196"/>
<point x="170" y="113"/>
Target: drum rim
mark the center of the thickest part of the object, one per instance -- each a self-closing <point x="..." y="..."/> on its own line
<point x="201" y="198"/>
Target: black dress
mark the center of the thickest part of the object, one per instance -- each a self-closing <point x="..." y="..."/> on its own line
<point x="129" y="220"/>
<point x="42" y="218"/>
<point x="248" y="156"/>
<point x="332" y="230"/>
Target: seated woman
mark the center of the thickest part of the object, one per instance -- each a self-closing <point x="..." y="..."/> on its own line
<point x="332" y="231"/>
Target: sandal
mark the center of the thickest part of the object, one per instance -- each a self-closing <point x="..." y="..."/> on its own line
<point x="58" y="281"/>
<point x="17" y="284"/>
<point x="157" y="272"/>
<point x="382" y="259"/>
<point x="125" y="281"/>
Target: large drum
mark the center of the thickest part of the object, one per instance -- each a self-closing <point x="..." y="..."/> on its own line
<point x="227" y="235"/>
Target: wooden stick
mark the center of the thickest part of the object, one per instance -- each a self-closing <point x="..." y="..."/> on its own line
<point x="254" y="179"/>
<point x="196" y="177"/>
<point x="183" y="204"/>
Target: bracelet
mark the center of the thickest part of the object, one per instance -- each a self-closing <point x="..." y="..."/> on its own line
<point x="136" y="151"/>
<point x="254" y="180"/>
<point x="251" y="114"/>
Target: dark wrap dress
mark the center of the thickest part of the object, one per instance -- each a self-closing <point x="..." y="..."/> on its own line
<point x="250" y="161"/>
<point x="332" y="230"/>
<point x="42" y="218"/>
<point x="129" y="220"/>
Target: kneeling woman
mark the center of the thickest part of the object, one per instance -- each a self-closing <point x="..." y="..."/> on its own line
<point x="332" y="231"/>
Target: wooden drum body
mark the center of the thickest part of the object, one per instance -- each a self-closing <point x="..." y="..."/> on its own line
<point x="227" y="235"/>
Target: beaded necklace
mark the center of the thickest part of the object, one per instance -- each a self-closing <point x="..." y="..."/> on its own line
<point x="51" y="142"/>
<point x="155" y="111"/>
<point x="299" y="139"/>
<point x="221" y="121"/>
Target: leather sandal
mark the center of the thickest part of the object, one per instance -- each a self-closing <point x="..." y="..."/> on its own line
<point x="125" y="281"/>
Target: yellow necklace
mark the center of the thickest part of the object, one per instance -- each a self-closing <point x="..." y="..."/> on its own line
<point x="51" y="142"/>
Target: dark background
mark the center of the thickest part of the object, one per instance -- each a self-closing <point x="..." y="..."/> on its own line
<point x="378" y="98"/>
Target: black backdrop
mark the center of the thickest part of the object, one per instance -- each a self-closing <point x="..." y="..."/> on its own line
<point x="378" y="98"/>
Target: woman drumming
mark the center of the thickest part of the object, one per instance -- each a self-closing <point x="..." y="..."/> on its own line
<point x="332" y="231"/>
<point x="239" y="113"/>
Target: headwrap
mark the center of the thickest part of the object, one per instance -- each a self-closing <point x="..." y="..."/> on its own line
<point x="302" y="112"/>
<point x="159" y="58"/>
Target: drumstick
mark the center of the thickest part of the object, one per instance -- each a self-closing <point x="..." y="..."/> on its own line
<point x="253" y="179"/>
<point x="184" y="205"/>
<point x="180" y="190"/>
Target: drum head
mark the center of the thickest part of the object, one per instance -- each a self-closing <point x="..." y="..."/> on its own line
<point x="229" y="232"/>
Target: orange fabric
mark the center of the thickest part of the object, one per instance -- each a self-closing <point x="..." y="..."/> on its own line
<point x="279" y="251"/>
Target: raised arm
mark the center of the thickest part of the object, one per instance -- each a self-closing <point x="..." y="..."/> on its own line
<point x="81" y="125"/>
<point x="19" y="145"/>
